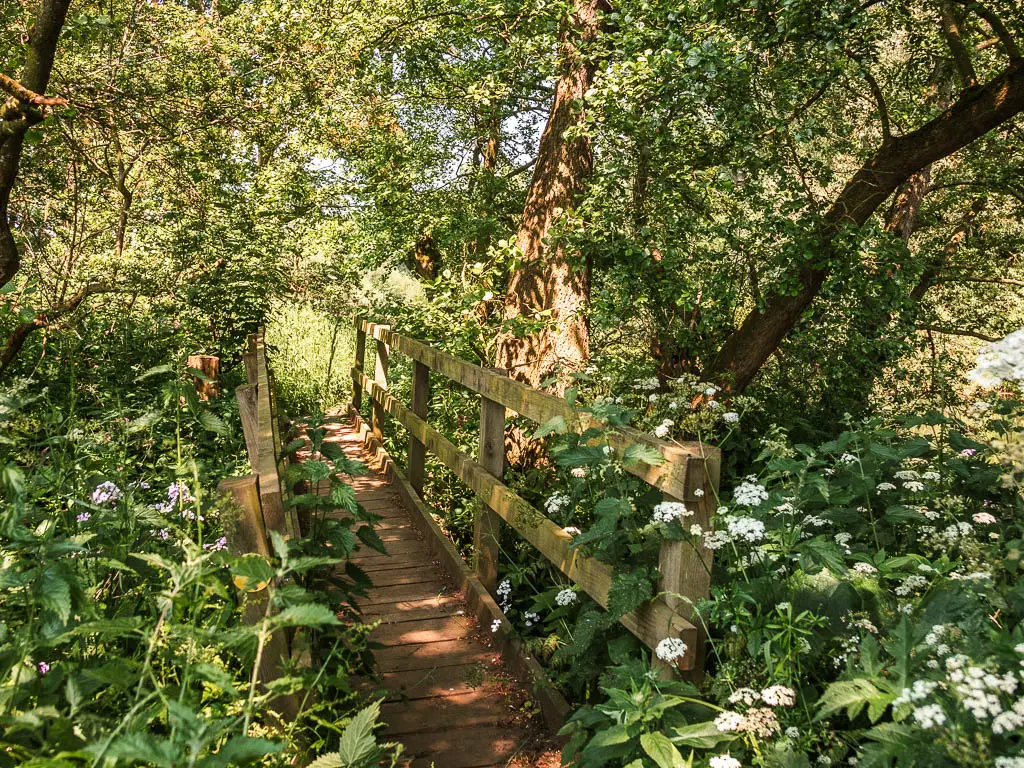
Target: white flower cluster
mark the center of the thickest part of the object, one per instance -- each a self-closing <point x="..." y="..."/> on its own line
<point x="750" y="493"/>
<point x="885" y="487"/>
<point x="865" y="568"/>
<point x="647" y="385"/>
<point x="932" y="477"/>
<point x="761" y="721"/>
<point x="495" y="625"/>
<point x="728" y="761"/>
<point x="579" y="472"/>
<point x="667" y="511"/>
<point x="504" y="590"/>
<point x="911" y="584"/>
<point x="848" y="458"/>
<point x="556" y="503"/>
<point x="566" y="597"/>
<point x="907" y="474"/>
<point x="731" y="417"/>
<point x="670" y="649"/>
<point x="1009" y="762"/>
<point x="979" y="692"/>
<point x="745" y="528"/>
<point x="956" y="532"/>
<point x="930" y="715"/>
<point x="914" y="486"/>
<point x="663" y="429"/>
<point x="531" y="618"/>
<point x="843" y="540"/>
<point x="984" y="518"/>
<point x="1000" y="361"/>
<point x="778" y="696"/>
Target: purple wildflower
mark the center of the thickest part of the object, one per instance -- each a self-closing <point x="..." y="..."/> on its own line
<point x="218" y="545"/>
<point x="43" y="667"/>
<point x="968" y="452"/>
<point x="83" y="517"/>
<point x="105" y="493"/>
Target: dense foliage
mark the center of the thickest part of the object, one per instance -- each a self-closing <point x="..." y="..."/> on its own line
<point x="781" y="228"/>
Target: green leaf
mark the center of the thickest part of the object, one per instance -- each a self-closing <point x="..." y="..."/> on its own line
<point x="343" y="495"/>
<point x="53" y="591"/>
<point x="155" y="371"/>
<point x="145" y="421"/>
<point x="638" y="453"/>
<point x="251" y="570"/>
<point x="702" y="735"/>
<point x="357" y="741"/>
<point x="211" y="422"/>
<point x="629" y="591"/>
<point x="308" y="615"/>
<point x="370" y="538"/>
<point x="556" y="425"/>
<point x="853" y="696"/>
<point x="661" y="750"/>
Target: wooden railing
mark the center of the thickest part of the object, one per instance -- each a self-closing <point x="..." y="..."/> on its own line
<point x="689" y="473"/>
<point x="258" y="505"/>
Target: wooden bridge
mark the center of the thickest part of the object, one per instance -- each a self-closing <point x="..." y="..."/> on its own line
<point x="455" y="672"/>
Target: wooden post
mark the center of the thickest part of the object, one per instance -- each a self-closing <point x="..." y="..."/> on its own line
<point x="252" y="375"/>
<point x="247" y="411"/>
<point x="357" y="385"/>
<point x="488" y="523"/>
<point x="686" y="568"/>
<point x="245" y="532"/>
<point x="380" y="376"/>
<point x="420" y="404"/>
<point x="209" y="365"/>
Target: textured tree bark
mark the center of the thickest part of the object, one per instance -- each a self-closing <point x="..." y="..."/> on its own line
<point x="548" y="279"/>
<point x="975" y="113"/>
<point x="35" y="77"/>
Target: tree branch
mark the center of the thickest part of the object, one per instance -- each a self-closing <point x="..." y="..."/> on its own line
<point x="43" y="320"/>
<point x="1000" y="30"/>
<point x="951" y="33"/>
<point x="21" y="93"/>
<point x="959" y="332"/>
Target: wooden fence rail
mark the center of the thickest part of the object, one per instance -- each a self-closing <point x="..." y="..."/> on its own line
<point x="689" y="473"/>
<point x="257" y="501"/>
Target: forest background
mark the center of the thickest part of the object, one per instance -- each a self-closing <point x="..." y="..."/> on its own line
<point x="802" y="215"/>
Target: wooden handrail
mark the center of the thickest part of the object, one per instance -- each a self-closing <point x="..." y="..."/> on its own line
<point x="689" y="472"/>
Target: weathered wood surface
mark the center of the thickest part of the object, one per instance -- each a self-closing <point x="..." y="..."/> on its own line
<point x="449" y="699"/>
<point x="670" y="477"/>
<point x="209" y="384"/>
<point x="275" y="517"/>
<point x="650" y="624"/>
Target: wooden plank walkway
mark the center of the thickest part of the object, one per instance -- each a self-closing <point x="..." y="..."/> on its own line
<point x="450" y="699"/>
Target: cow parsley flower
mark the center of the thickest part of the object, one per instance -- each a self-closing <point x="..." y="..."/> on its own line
<point x="745" y="696"/>
<point x="663" y="429"/>
<point x="670" y="649"/>
<point x="984" y="518"/>
<point x="730" y="417"/>
<point x="914" y="486"/>
<point x="728" y="761"/>
<point x="848" y="458"/>
<point x="865" y="568"/>
<point x="556" y="503"/>
<point x="566" y="597"/>
<point x="778" y="696"/>
<point x="907" y="474"/>
<point x="731" y="722"/>
<point x="667" y="511"/>
<point x="930" y="715"/>
<point x="750" y="494"/>
<point x="495" y="625"/>
<point x="885" y="487"/>
<point x="932" y="477"/>
<point x="746" y="528"/>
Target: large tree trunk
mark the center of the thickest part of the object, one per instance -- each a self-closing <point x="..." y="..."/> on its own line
<point x="975" y="113"/>
<point x="17" y="118"/>
<point x="550" y="288"/>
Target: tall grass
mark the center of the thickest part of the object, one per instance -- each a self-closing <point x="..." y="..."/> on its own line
<point x="311" y="352"/>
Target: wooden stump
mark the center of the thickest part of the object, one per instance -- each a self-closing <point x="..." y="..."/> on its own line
<point x="209" y="365"/>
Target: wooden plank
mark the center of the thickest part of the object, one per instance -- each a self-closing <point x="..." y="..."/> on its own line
<point x="483" y="707"/>
<point x="429" y="655"/>
<point x="487" y="527"/>
<point x="420" y="403"/>
<point x="423" y="631"/>
<point x="650" y="624"/>
<point x="247" y="397"/>
<point x="421" y="606"/>
<point x="463" y="747"/>
<point x="436" y="682"/>
<point x="357" y="388"/>
<point x="381" y="377"/>
<point x="403" y="593"/>
<point x="416" y="574"/>
<point x="243" y="525"/>
<point x="541" y="407"/>
<point x="271" y="497"/>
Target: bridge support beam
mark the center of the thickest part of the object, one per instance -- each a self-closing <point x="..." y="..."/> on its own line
<point x="420" y="405"/>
